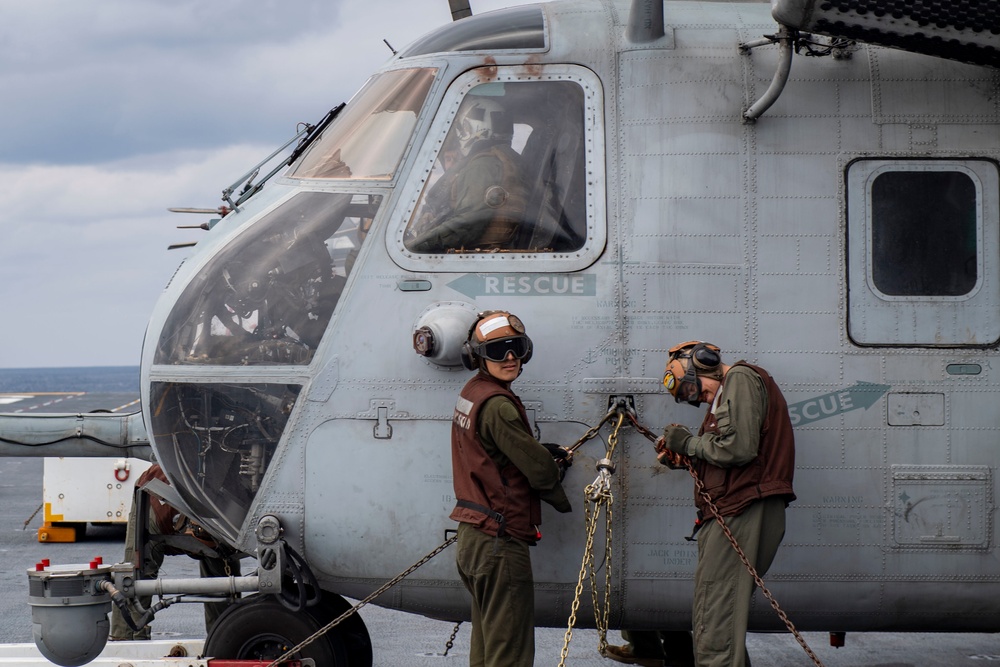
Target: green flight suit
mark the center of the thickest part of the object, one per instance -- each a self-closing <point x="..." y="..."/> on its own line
<point x="497" y="570"/>
<point x="723" y="586"/>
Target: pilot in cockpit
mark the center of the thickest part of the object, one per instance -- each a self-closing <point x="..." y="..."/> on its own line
<point x="478" y="204"/>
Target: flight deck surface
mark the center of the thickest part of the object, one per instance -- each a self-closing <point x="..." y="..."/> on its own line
<point x="76" y="402"/>
<point x="398" y="638"/>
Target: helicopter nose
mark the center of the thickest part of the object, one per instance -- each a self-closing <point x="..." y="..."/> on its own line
<point x="264" y="298"/>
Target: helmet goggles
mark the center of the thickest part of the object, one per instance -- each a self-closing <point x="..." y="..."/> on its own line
<point x="682" y="383"/>
<point x="497" y="350"/>
<point x="686" y="363"/>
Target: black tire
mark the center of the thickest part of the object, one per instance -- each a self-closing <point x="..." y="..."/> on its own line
<point x="352" y="630"/>
<point x="264" y="629"/>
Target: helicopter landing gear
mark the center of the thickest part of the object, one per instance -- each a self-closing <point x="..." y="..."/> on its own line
<point x="264" y="629"/>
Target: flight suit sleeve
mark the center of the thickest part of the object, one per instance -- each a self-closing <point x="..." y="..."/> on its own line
<point x="469" y="216"/>
<point x="501" y="426"/>
<point x="740" y="416"/>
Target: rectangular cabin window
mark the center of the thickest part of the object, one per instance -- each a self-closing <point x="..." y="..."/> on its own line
<point x="922" y="257"/>
<point x="924" y="238"/>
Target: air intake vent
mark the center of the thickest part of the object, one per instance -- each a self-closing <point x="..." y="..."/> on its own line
<point x="965" y="30"/>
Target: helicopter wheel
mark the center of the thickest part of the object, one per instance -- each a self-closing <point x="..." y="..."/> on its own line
<point x="352" y="630"/>
<point x="265" y="629"/>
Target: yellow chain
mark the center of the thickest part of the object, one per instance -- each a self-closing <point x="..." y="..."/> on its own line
<point x="598" y="493"/>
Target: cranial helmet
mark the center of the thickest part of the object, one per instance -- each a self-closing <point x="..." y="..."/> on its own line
<point x="494" y="335"/>
<point x="686" y="364"/>
<point x="484" y="119"/>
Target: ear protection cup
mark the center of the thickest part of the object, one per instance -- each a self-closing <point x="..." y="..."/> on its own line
<point x="705" y="356"/>
<point x="469" y="359"/>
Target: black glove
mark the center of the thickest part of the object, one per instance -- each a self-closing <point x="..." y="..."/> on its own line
<point x="559" y="453"/>
<point x="675" y="438"/>
<point x="670" y="447"/>
<point x="563" y="457"/>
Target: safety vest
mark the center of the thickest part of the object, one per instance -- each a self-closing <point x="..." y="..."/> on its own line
<point x="164" y="514"/>
<point x="497" y="501"/>
<point x="768" y="474"/>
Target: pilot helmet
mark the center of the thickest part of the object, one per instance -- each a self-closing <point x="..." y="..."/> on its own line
<point x="687" y="363"/>
<point x="495" y="334"/>
<point x="481" y="120"/>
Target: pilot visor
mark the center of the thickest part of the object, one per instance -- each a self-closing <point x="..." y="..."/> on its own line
<point x="497" y="350"/>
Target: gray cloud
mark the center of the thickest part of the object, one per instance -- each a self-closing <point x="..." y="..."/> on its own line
<point x="115" y="110"/>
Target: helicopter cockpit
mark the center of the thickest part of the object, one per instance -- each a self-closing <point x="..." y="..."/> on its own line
<point x="266" y="299"/>
<point x="261" y="303"/>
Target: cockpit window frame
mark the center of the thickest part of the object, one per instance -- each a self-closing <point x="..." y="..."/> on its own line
<point x="595" y="181"/>
<point x="193" y="322"/>
<point x="356" y="120"/>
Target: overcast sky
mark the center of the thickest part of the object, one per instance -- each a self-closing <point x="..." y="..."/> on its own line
<point x="115" y="110"/>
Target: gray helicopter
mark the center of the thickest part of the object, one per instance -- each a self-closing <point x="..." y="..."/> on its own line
<point x="813" y="186"/>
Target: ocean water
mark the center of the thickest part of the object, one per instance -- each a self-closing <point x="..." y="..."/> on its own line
<point x="90" y="379"/>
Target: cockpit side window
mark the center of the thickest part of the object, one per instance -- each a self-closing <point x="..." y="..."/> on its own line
<point x="510" y="175"/>
<point x="367" y="140"/>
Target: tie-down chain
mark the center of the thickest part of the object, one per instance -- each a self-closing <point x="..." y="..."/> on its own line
<point x="599" y="494"/>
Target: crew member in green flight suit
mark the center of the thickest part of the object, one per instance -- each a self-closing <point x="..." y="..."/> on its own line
<point x="501" y="475"/>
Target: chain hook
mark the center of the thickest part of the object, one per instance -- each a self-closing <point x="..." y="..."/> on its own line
<point x="600" y="488"/>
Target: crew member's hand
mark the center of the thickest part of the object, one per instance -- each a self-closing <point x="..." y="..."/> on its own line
<point x="673" y="460"/>
<point x="560" y="454"/>
<point x="670" y="447"/>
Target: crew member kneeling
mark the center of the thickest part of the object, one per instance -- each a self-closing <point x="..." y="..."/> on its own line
<point x="501" y="474"/>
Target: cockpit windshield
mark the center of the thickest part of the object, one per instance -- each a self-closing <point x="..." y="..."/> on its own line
<point x="267" y="298"/>
<point x="368" y="138"/>
<point x="217" y="441"/>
